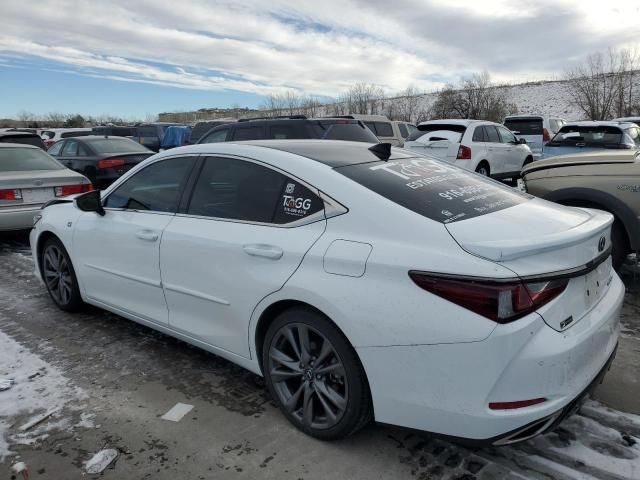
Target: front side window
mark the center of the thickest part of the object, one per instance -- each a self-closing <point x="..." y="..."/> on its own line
<point x="215" y="137"/>
<point x="156" y="188"/>
<point x="70" y="149"/>
<point x="506" y="136"/>
<point x="245" y="191"/>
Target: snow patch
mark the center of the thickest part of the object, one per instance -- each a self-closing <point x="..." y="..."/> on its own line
<point x="101" y="460"/>
<point x="38" y="389"/>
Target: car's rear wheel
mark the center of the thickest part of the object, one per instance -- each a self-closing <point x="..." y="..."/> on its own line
<point x="314" y="375"/>
<point x="59" y="276"/>
<point x="483" y="169"/>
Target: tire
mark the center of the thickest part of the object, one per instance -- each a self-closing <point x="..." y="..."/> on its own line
<point x="59" y="276"/>
<point x="483" y="169"/>
<point x="620" y="244"/>
<point x="319" y="384"/>
<point x="528" y="161"/>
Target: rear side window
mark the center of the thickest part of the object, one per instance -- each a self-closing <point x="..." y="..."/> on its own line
<point x="403" y="130"/>
<point x="478" y="135"/>
<point x="383" y="129"/>
<point x="433" y="189"/>
<point x="155" y="188"/>
<point x="491" y="134"/>
<point x="282" y="132"/>
<point x="245" y="191"/>
<point x="55" y="148"/>
<point x="248" y="133"/>
<point x="70" y="149"/>
<point x="524" y="126"/>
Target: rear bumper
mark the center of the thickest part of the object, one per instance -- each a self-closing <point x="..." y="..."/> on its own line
<point x="18" y="218"/>
<point x="446" y="388"/>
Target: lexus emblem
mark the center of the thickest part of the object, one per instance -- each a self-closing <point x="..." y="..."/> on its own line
<point x="601" y="243"/>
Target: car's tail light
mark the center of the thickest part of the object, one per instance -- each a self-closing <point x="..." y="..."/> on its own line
<point x="10" y="194"/>
<point x="516" y="404"/>
<point x="545" y="135"/>
<point x="464" y="153"/>
<point x="502" y="302"/>
<point x="49" y="143"/>
<point x="65" y="190"/>
<point x="110" y="163"/>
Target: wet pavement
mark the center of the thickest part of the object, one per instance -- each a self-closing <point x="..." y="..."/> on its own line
<point x="111" y="380"/>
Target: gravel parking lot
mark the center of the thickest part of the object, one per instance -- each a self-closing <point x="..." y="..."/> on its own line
<point x="105" y="382"/>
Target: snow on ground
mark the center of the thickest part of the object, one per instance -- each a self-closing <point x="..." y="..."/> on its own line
<point x="38" y="389"/>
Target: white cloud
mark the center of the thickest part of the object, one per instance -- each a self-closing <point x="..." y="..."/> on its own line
<point x="318" y="48"/>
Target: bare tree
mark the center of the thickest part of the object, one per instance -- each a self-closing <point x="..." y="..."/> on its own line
<point x="408" y="104"/>
<point x="55" y="119"/>
<point x="603" y="86"/>
<point x="25" y="118"/>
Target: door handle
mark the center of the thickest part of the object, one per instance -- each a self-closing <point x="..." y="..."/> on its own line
<point x="261" y="250"/>
<point x="147" y="235"/>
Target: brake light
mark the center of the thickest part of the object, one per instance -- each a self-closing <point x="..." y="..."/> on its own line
<point x="545" y="135"/>
<point x="11" y="194"/>
<point x="502" y="302"/>
<point x="65" y="190"/>
<point x="464" y="153"/>
<point x="517" y="404"/>
<point x="110" y="163"/>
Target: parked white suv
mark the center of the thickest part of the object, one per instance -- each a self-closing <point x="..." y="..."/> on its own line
<point x="52" y="135"/>
<point x="535" y="129"/>
<point x="484" y="147"/>
<point x="387" y="131"/>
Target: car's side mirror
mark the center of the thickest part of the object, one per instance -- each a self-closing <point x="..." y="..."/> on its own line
<point x="522" y="141"/>
<point x="90" y="202"/>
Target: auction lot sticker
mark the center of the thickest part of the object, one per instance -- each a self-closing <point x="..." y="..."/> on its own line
<point x="434" y="189"/>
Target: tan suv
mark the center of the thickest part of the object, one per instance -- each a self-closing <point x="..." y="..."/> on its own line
<point x="605" y="180"/>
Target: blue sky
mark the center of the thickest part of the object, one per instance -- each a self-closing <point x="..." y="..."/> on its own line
<point x="136" y="58"/>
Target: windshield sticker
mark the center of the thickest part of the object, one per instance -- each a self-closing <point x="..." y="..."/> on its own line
<point x="434" y="189"/>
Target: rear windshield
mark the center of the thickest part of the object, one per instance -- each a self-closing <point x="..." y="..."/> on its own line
<point x="116" y="145"/>
<point x="75" y="134"/>
<point x="381" y="129"/>
<point x="25" y="159"/>
<point x="433" y="189"/>
<point x="598" y="135"/>
<point x="433" y="127"/>
<point x="353" y="131"/>
<point x="524" y="126"/>
<point x="34" y="140"/>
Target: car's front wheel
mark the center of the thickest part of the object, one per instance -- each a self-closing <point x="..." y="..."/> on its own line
<point x="59" y="276"/>
<point x="314" y="375"/>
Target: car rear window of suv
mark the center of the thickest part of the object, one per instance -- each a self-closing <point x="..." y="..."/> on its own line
<point x="343" y="130"/>
<point x="577" y="135"/>
<point x="433" y="189"/>
<point x="524" y="126"/>
<point x="433" y="127"/>
<point x="34" y="140"/>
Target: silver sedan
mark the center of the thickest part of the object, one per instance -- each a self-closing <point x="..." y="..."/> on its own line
<point x="29" y="178"/>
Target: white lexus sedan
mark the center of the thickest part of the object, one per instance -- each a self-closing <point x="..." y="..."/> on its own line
<point x="363" y="282"/>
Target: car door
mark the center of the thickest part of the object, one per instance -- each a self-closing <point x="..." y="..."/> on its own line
<point x="244" y="232"/>
<point x="515" y="153"/>
<point x="118" y="254"/>
<point x="496" y="154"/>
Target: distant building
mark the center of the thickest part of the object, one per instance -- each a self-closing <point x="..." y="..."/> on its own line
<point x="207" y="114"/>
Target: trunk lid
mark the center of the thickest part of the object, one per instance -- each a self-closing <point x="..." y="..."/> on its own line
<point x="39" y="186"/>
<point x="540" y="238"/>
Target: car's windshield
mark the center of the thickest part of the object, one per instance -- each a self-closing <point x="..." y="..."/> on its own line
<point x="434" y="189"/>
<point x="597" y="135"/>
<point x="25" y="159"/>
<point x="116" y="145"/>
